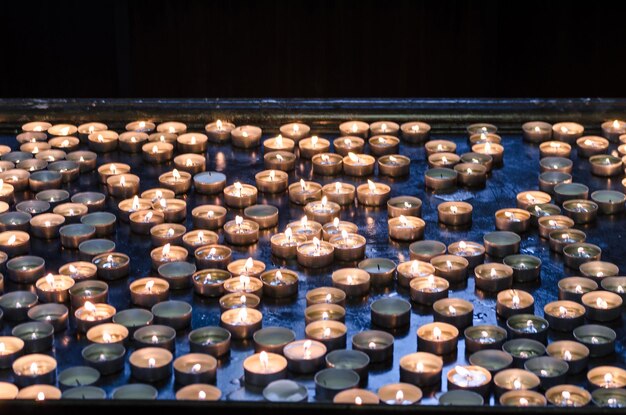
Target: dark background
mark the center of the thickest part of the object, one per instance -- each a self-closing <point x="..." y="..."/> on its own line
<point x="324" y="48"/>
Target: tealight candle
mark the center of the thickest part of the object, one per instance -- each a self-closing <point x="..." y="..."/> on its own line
<point x="501" y="243"/>
<point x="37" y="336"/>
<point x="439" y="178"/>
<point x="349" y="144"/>
<point x="339" y="193"/>
<point x="406" y="228"/>
<point x="295" y="130"/>
<point x="90" y="315"/>
<point x="112" y="266"/>
<point x="609" y="202"/>
<point x="54" y="288"/>
<point x="356" y="396"/>
<point x="348" y="246"/>
<point x="568" y="396"/>
<point x="606" y="165"/>
<point x="484" y="337"/>
<point x="525" y="268"/>
<point x="354" y="128"/>
<point x="567" y="131"/>
<point x="157" y="152"/>
<point x="155" y="336"/>
<point x="177" y="181"/>
<point x="132" y="141"/>
<point x="609" y="398"/>
<point x="578" y="253"/>
<point x="428" y="290"/>
<point x="471" y="174"/>
<point x="284" y="245"/>
<point x="412" y="269"/>
<point x="421" y="369"/>
<point x="172" y="127"/>
<point x="132" y="319"/>
<point x="337" y="227"/>
<point x="304" y="356"/>
<point x="516" y="380"/>
<point x="591" y="145"/>
<point x="573" y="288"/>
<point x="382" y="271"/>
<point x="219" y="131"/>
<point x="241" y="322"/>
<point x="493" y="277"/>
<point x="358" y="165"/>
<point x="381" y="145"/>
<point x="151" y="364"/>
<point x="354" y="282"/>
<point x="437" y="338"/>
<point x="272" y="181"/>
<point x="456" y="312"/>
<point x="272" y="339"/>
<point x="165" y="233"/>
<point x="107" y="333"/>
<point x="512" y="302"/>
<point x="241" y="231"/>
<point x="194" y="239"/>
<point x="324" y="311"/>
<point x="103" y="141"/>
<point x="316" y="253"/>
<point x="564" y="315"/>
<point x="280" y="283"/>
<point x="112" y="169"/>
<point x="25" y="269"/>
<point x="260" y="369"/>
<point x="451" y="267"/>
<point x="192" y="143"/>
<point x="89" y="128"/>
<point x="527" y="326"/>
<point x="580" y="210"/>
<point x="332" y="334"/>
<point x="391" y="313"/>
<point x="327" y="164"/>
<point x="556" y="165"/>
<point x="239" y="300"/>
<point x="602" y="305"/>
<point x="322" y="211"/>
<point x="378" y="345"/>
<point x="608" y="377"/>
<point x="469" y="378"/>
<point x="46" y="225"/>
<point x="536" y="131"/>
<point x="34" y="369"/>
<point x="146" y="292"/>
<point x="93" y="200"/>
<point x="198" y="392"/>
<point x="90" y="290"/>
<point x="246" y="136"/>
<point x="195" y="368"/>
<point x="246" y="267"/>
<point x="455" y="213"/>
<point x="174" y="210"/>
<point x="19" y="179"/>
<point x="373" y="194"/>
<point x="279" y="160"/>
<point x="244" y="284"/>
<point x="72" y="212"/>
<point x="213" y="256"/>
<point x="325" y="295"/>
<point x="415" y="132"/>
<point x="531" y="197"/>
<point x="14" y="243"/>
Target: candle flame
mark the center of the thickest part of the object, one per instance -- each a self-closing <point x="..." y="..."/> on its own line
<point x="601" y="303"/>
<point x="135" y="205"/>
<point x="307" y="349"/>
<point x="349" y="280"/>
<point x="272" y="175"/>
<point x="90" y="307"/>
<point x="243" y="314"/>
<point x="196" y="368"/>
<point x="151" y="362"/>
<point x="515" y="301"/>
<point x="523" y="401"/>
<point x="193" y="140"/>
<point x="50" y="280"/>
<point x="106" y="337"/>
<point x="493" y="273"/>
<point x="403" y="220"/>
<point x="326" y="333"/>
<point x="12" y="240"/>
<point x="314" y="141"/>
<point x="454" y="209"/>
<point x="437" y="333"/>
<point x="616" y="124"/>
<point x="279" y="157"/>
<point x="344" y="235"/>
<point x="218" y="124"/>
<point x="562" y="311"/>
<point x="166" y="250"/>
<point x="567" y="355"/>
<point x="566" y="395"/>
<point x="279" y="140"/>
<point x="393" y="160"/>
<point x="188" y="163"/>
<point x="355" y="128"/>
<point x="399" y="396"/>
<point x="338" y="187"/>
<point x="371" y="345"/>
<point x="419" y="366"/>
<point x="325" y="315"/>
<point x="41" y="396"/>
<point x="317" y="244"/>
<point x="100" y="138"/>
<point x="243" y="300"/>
<point x="452" y="310"/>
<point x="288" y="234"/>
<point x="325" y="158"/>
<point x="122" y="181"/>
<point x="324" y="201"/>
<point x="371" y="185"/>
<point x="295" y="128"/>
<point x="154" y="339"/>
<point x="347" y="142"/>
<point x="148" y="216"/>
<point x="176" y="174"/>
<point x="415" y="128"/>
<point x="264" y="359"/>
<point x="353" y="157"/>
<point x="517" y="384"/>
<point x="249" y="264"/>
<point x="155" y="149"/>
<point x="462" y="245"/>
<point x="358" y="400"/>
<point x="304" y="221"/>
<point x="303" y="185"/>
<point x="462" y="371"/>
<point x="34" y="368"/>
<point x="210" y="214"/>
<point x="238" y="220"/>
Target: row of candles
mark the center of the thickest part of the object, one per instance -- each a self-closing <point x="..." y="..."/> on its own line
<point x="316" y="240"/>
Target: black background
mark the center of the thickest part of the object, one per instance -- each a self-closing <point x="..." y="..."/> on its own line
<point x="324" y="48"/>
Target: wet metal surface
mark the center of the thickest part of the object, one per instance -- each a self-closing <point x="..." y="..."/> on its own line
<point x="519" y="173"/>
